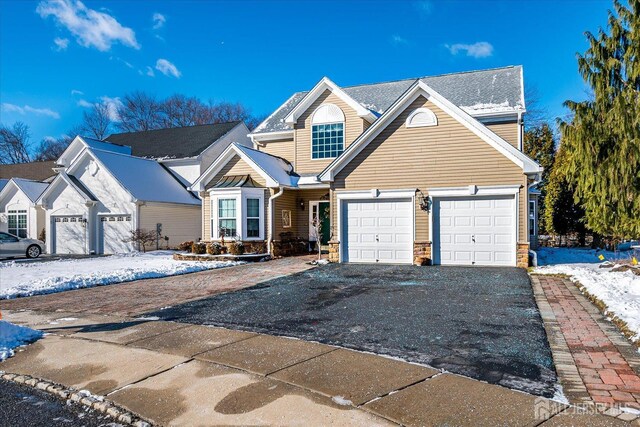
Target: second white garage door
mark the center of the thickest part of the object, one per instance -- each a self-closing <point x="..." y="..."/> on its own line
<point x="114" y="233"/>
<point x="377" y="231"/>
<point x="475" y="231"/>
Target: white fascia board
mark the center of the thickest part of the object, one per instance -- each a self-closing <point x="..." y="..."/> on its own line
<point x="225" y="157"/>
<point x="317" y="90"/>
<point x="62" y="177"/>
<point x="268" y="136"/>
<point x="375" y="193"/>
<point x="472" y="190"/>
<point x="422" y="89"/>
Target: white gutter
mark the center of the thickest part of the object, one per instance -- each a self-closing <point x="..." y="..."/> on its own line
<point x="272" y="218"/>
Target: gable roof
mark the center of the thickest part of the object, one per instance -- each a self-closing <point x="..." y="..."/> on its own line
<point x="188" y="141"/>
<point x="275" y="170"/>
<point x="144" y="179"/>
<point x="37" y="171"/>
<point x="79" y="143"/>
<point x="481" y="92"/>
<point x="417" y="89"/>
<point x="31" y="189"/>
<point x="71" y="182"/>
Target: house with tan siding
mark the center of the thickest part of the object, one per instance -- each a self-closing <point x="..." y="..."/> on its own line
<point x="427" y="171"/>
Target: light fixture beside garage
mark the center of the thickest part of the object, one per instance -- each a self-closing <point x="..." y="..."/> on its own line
<point x="425" y="202"/>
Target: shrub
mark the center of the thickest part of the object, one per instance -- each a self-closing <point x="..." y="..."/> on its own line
<point x="199" y="248"/>
<point x="214" y="248"/>
<point x="236" y="248"/>
<point x="185" y="246"/>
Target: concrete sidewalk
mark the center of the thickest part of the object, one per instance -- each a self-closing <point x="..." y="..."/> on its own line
<point x="180" y="374"/>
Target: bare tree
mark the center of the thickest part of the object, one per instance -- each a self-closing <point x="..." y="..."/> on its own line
<point x="52" y="148"/>
<point x="139" y="111"/>
<point x="14" y="143"/>
<point x="96" y="122"/>
<point x="536" y="114"/>
<point x="142" y="238"/>
<point x="228" y="112"/>
<point x="179" y="110"/>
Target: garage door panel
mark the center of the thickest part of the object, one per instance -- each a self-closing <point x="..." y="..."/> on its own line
<point x="478" y="231"/>
<point x="114" y="232"/>
<point x="378" y="230"/>
<point x="69" y="235"/>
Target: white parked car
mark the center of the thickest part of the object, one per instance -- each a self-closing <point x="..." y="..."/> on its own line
<point x="14" y="246"/>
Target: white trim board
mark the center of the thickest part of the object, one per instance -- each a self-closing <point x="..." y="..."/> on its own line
<point x="473" y="190"/>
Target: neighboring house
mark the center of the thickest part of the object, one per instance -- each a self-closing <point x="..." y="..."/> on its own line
<point x="19" y="214"/>
<point x="186" y="151"/>
<point x="104" y="190"/>
<point x="427" y="170"/>
<point x="35" y="171"/>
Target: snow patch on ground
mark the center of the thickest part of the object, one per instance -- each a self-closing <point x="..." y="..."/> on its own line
<point x="12" y="336"/>
<point x="21" y="280"/>
<point x="340" y="400"/>
<point x="620" y="290"/>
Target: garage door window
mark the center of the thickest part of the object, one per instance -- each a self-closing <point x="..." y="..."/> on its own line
<point x="18" y="223"/>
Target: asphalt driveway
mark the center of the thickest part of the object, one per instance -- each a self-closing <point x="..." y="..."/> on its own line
<point x="478" y="322"/>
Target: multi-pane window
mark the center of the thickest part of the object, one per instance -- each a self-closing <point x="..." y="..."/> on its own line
<point x="253" y="218"/>
<point x="18" y="223"/>
<point x="227" y="217"/>
<point x="532" y="217"/>
<point x="327" y="140"/>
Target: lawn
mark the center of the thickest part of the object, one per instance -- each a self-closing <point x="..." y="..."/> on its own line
<point x="21" y="279"/>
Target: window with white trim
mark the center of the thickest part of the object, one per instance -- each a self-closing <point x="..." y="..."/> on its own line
<point x="532" y="217"/>
<point x="327" y="132"/>
<point x="17" y="222"/>
<point x="421" y="117"/>
<point x="227" y="224"/>
<point x="239" y="212"/>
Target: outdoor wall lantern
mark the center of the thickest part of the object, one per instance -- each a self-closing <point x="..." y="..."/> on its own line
<point x="301" y="204"/>
<point x="425" y="202"/>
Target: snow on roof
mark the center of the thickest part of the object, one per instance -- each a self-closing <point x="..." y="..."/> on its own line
<point x="106" y="145"/>
<point x="145" y="179"/>
<point x="33" y="189"/>
<point x="495" y="90"/>
<point x="275" y="167"/>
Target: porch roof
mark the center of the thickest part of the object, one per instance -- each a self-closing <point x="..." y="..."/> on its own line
<point x="230" y="181"/>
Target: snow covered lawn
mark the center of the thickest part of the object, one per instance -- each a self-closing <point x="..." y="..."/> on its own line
<point x="620" y="291"/>
<point x="12" y="336"/>
<point x="20" y="279"/>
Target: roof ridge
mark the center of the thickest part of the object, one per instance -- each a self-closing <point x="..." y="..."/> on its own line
<point x="432" y="76"/>
<point x="124" y="155"/>
<point x="177" y="127"/>
<point x="263" y="152"/>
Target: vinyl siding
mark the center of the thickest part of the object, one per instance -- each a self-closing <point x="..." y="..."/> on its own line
<point x="285" y="202"/>
<point x="507" y="131"/>
<point x="354" y="126"/>
<point x="180" y="223"/>
<point x="282" y="148"/>
<point x="446" y="155"/>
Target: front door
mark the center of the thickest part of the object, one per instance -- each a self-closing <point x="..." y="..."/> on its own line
<point x="321" y="209"/>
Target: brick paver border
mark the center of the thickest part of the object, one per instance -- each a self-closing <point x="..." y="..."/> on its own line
<point x="595" y="363"/>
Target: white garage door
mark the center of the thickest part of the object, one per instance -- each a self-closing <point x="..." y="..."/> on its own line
<point x="475" y="231"/>
<point x="114" y="231"/>
<point x="378" y="231"/>
<point x="69" y="235"/>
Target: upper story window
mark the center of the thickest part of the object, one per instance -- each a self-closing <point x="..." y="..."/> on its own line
<point x="327" y="132"/>
<point x="421" y="117"/>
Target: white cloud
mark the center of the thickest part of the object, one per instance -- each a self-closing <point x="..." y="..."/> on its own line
<point x="150" y="72"/>
<point x="76" y="92"/>
<point x="476" y="50"/>
<point x="398" y="40"/>
<point x="84" y="103"/>
<point x="90" y="27"/>
<point x="61" y="44"/>
<point x="167" y="68"/>
<point x="158" y="20"/>
<point x="112" y="104"/>
<point x="27" y="109"/>
<point x="117" y="58"/>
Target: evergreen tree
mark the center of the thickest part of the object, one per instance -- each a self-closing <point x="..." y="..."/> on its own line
<point x="540" y="145"/>
<point x="561" y="215"/>
<point x="602" y="140"/>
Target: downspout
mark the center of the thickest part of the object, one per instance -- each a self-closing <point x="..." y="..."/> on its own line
<point x="272" y="217"/>
<point x="520" y="131"/>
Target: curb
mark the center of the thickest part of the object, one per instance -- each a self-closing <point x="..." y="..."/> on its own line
<point x="81" y="397"/>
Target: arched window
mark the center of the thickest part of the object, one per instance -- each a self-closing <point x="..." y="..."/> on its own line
<point x="327" y="132"/>
<point x="421" y="117"/>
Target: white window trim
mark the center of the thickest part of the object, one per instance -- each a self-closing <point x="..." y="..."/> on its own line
<point x="17" y="213"/>
<point x="240" y="195"/>
<point x="431" y="114"/>
<point x="313" y="203"/>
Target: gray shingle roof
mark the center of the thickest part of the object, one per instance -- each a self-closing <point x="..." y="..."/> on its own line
<point x="182" y="142"/>
<point x="482" y="91"/>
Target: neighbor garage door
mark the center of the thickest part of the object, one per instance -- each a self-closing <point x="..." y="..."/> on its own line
<point x="377" y="231"/>
<point x="475" y="231"/>
<point x="114" y="232"/>
<point x="69" y="235"/>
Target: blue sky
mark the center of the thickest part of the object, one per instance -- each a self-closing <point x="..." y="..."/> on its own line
<point x="58" y="56"/>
